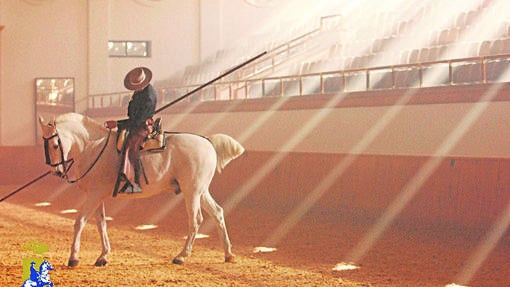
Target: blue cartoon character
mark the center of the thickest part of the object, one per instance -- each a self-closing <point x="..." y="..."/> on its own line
<point x="36" y="278"/>
<point x="39" y="278"/>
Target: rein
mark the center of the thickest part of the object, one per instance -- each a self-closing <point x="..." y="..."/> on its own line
<point x="64" y="162"/>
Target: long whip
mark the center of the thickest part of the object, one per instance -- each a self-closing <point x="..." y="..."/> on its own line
<point x="25" y="186"/>
<point x="211" y="81"/>
<point x="157" y="111"/>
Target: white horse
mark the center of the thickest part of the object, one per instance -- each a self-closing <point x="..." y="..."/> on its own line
<point x="187" y="164"/>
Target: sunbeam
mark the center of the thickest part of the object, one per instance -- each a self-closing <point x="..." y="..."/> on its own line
<point x="367" y="139"/>
<point x="312" y="197"/>
<point x="163" y="211"/>
<point x="42" y="204"/>
<point x="414" y="184"/>
<point x="58" y="191"/>
<point x="287" y="147"/>
<point x="146" y="227"/>
<point x="485" y="247"/>
<point x="332" y="176"/>
<point x="69" y="211"/>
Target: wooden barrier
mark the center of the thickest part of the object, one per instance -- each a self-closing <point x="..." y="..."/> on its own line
<point x="468" y="192"/>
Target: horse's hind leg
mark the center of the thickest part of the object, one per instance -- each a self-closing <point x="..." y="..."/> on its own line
<point x="216" y="211"/>
<point x="194" y="220"/>
<point x="88" y="207"/>
<point x="101" y="227"/>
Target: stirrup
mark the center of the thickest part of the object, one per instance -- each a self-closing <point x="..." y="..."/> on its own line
<point x="129" y="188"/>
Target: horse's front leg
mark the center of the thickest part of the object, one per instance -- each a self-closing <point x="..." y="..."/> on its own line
<point x="101" y="227"/>
<point x="194" y="220"/>
<point x="88" y="207"/>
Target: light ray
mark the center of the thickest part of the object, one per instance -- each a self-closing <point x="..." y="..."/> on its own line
<point x="297" y="213"/>
<point x="146" y="227"/>
<point x="287" y="147"/>
<point x="69" y="211"/>
<point x="485" y="247"/>
<point x="219" y="117"/>
<point x="163" y="212"/>
<point x="262" y="119"/>
<point x="293" y="218"/>
<point x="428" y="168"/>
<point x="198" y="236"/>
<point x="414" y="185"/>
<point x="43" y="204"/>
<point x="178" y="118"/>
<point x="333" y="175"/>
<point x="262" y="249"/>
<point x="58" y="191"/>
<point x="345" y="266"/>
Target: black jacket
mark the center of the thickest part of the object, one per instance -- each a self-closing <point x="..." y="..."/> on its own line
<point x="142" y="106"/>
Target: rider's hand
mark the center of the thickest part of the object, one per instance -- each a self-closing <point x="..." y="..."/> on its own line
<point x="110" y="124"/>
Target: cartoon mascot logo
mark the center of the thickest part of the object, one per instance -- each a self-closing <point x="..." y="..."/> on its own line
<point x="32" y="277"/>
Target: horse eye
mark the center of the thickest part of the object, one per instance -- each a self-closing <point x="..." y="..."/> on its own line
<point x="55" y="146"/>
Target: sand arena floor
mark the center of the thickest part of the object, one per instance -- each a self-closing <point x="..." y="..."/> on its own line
<point x="403" y="256"/>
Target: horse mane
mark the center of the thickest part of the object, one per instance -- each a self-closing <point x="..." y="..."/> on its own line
<point x="69" y="117"/>
<point x="88" y="125"/>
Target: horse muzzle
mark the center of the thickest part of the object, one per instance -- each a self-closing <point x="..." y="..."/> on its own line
<point x="59" y="171"/>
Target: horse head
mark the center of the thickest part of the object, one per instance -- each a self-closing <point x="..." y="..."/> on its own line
<point x="65" y="139"/>
<point x="56" y="147"/>
<point x="45" y="267"/>
<point x="44" y="276"/>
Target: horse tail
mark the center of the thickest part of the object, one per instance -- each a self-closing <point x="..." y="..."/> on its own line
<point x="226" y="149"/>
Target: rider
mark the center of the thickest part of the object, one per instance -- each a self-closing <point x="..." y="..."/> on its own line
<point x="140" y="111"/>
<point x="33" y="272"/>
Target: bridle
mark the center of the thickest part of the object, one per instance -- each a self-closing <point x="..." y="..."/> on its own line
<point x="67" y="164"/>
<point x="62" y="161"/>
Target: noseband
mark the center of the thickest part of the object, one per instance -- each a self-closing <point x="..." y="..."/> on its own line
<point x="62" y="161"/>
<point x="67" y="164"/>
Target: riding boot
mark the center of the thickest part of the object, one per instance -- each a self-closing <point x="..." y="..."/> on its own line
<point x="130" y="167"/>
<point x="136" y="184"/>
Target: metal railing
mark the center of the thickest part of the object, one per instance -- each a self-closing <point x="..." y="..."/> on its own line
<point x="275" y="57"/>
<point x="465" y="71"/>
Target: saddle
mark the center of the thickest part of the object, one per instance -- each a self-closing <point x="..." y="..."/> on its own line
<point x="155" y="141"/>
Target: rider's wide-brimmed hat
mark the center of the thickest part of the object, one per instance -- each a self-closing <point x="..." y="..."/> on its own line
<point x="137" y="79"/>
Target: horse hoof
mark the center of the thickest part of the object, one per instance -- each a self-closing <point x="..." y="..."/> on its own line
<point x="230" y="259"/>
<point x="100" y="262"/>
<point x="178" y="261"/>
<point x="73" y="262"/>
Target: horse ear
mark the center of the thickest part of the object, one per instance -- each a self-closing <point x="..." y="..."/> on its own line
<point x="51" y="123"/>
<point x="41" y="121"/>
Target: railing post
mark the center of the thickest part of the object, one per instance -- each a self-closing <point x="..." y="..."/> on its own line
<point x="300" y="85"/>
<point x="263" y="88"/>
<point x="344" y="82"/>
<point x="450" y="72"/>
<point x="281" y="87"/>
<point x="321" y="77"/>
<point x="367" y="80"/>
<point x="393" y="86"/>
<point x="420" y="70"/>
<point x="484" y="70"/>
